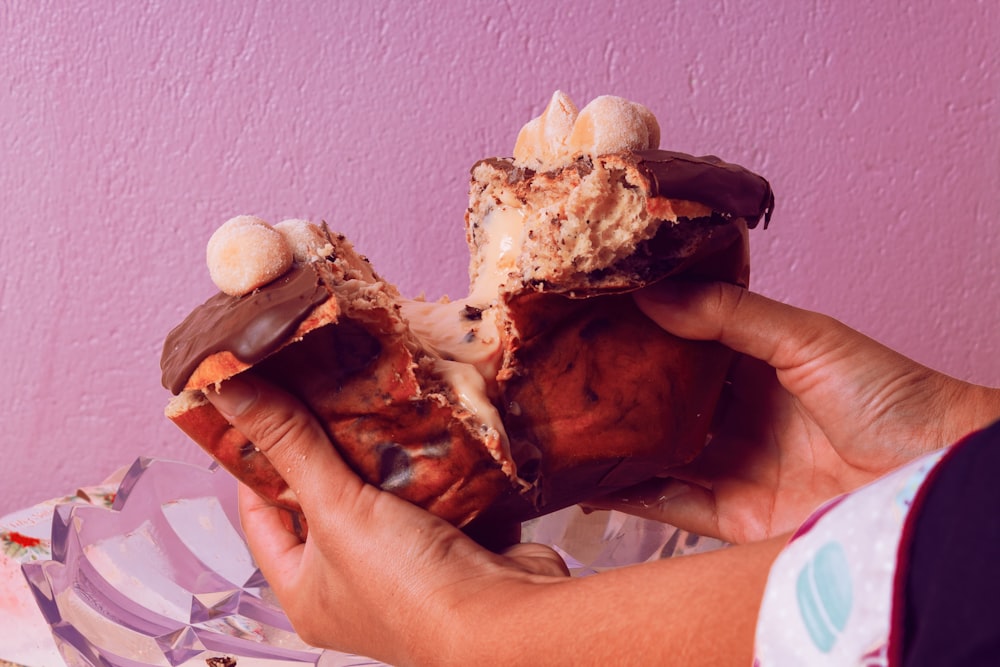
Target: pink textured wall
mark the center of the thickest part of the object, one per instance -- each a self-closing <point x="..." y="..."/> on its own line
<point x="129" y="131"/>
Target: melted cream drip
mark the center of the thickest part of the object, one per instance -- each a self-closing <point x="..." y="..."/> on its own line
<point x="447" y="327"/>
<point x="464" y="334"/>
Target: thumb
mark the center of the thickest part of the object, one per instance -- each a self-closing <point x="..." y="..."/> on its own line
<point x="537" y="559"/>
<point x="292" y="440"/>
<point x="860" y="393"/>
<point x="781" y="335"/>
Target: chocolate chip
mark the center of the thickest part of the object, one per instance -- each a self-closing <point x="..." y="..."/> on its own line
<point x="394" y="470"/>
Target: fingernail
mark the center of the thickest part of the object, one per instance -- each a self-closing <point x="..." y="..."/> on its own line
<point x="655" y="495"/>
<point x="665" y="291"/>
<point x="675" y="490"/>
<point x="233" y="398"/>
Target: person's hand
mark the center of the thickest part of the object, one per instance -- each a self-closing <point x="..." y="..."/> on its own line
<point x="381" y="577"/>
<point x="373" y="566"/>
<point x="814" y="409"/>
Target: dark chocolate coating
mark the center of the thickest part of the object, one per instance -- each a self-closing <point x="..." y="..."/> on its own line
<point x="727" y="188"/>
<point x="251" y="326"/>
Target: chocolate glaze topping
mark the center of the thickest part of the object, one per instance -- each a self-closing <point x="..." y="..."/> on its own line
<point x="728" y="188"/>
<point x="255" y="325"/>
<point x="251" y="327"/>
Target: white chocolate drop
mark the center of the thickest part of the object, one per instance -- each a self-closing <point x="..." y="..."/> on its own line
<point x="561" y="134"/>
<point x="542" y="140"/>
<point x="246" y="253"/>
<point x="306" y="240"/>
<point x="612" y="124"/>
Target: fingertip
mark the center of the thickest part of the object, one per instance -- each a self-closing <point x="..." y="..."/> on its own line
<point x="744" y="321"/>
<point x="686" y="309"/>
<point x="290" y="437"/>
<point x="495" y="536"/>
<point x="681" y="504"/>
<point x="233" y="397"/>
<point x="664" y="292"/>
<point x="273" y="546"/>
<point x="648" y="499"/>
<point x="538" y="559"/>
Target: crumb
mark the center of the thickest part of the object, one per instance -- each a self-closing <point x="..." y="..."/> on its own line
<point x="221" y="661"/>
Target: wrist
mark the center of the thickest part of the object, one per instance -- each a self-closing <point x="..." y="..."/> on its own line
<point x="986" y="402"/>
<point x="495" y="621"/>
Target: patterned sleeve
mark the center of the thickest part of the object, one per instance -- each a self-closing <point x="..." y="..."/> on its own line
<point x="949" y="583"/>
<point x="880" y="574"/>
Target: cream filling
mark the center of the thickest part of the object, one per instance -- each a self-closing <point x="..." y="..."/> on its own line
<point x="465" y="330"/>
<point x="464" y="333"/>
<point x="503" y="228"/>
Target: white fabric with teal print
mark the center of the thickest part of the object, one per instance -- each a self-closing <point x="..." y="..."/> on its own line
<point x="828" y="599"/>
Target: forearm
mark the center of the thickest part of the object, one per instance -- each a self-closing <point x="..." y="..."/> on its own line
<point x="693" y="610"/>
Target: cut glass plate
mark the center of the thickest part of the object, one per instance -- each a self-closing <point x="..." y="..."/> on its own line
<point x="164" y="577"/>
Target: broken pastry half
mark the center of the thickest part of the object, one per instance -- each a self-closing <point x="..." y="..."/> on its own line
<point x="545" y="386"/>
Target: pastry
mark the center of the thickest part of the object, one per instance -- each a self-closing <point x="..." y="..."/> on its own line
<point x="544" y="386"/>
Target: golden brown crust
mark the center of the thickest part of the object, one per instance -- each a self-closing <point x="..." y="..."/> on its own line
<point x="606" y="396"/>
<point x="354" y="364"/>
<point x="592" y="395"/>
<point x="224" y="364"/>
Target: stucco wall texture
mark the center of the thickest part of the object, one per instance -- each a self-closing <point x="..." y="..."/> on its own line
<point x="130" y="131"/>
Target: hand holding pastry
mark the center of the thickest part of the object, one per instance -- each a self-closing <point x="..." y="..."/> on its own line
<point x="383" y="578"/>
<point x="814" y="409"/>
<point x="545" y="385"/>
<point x="368" y="551"/>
